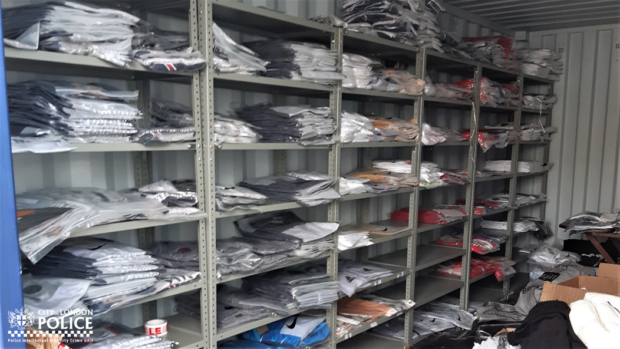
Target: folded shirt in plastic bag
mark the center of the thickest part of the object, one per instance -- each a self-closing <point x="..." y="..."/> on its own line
<point x="166" y="51"/>
<point x="298" y="60"/>
<point x="503" y="166"/>
<point x="353" y="276"/>
<point x="349" y="239"/>
<point x="177" y="254"/>
<point x="434" y="135"/>
<point x="298" y="331"/>
<point x="592" y="221"/>
<point x="298" y="124"/>
<point x="355" y="127"/>
<point x="230" y="57"/>
<point x="292" y="189"/>
<point x="543" y="63"/>
<point x="479" y="244"/>
<point x="231" y="198"/>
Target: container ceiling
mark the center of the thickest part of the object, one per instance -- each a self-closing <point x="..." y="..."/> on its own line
<point x="543" y="14"/>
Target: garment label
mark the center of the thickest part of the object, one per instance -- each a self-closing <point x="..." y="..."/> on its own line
<point x="549" y="276"/>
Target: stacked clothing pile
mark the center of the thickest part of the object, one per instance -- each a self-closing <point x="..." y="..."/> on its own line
<point x="406" y="131"/>
<point x="295" y="288"/>
<point x="353" y="276"/>
<point x="358" y="71"/>
<point x="431" y="175"/>
<point x="89" y="113"/>
<point x="303" y="331"/>
<point x="305" y="188"/>
<point x="454" y="267"/>
<point x="503" y="166"/>
<point x="49" y="216"/>
<point x="170" y="122"/>
<point x="521" y="225"/>
<point x="166" y="51"/>
<point x="536" y="132"/>
<point x="270" y="240"/>
<point x="178" y="195"/>
<point x="546" y="257"/>
<point x="117" y="274"/>
<point x="232" y="198"/>
<point x="349" y="239"/>
<point x="229" y="130"/>
<point x="399" y="81"/>
<point x="497" y="50"/>
<point x="436" y="215"/>
<point x="436" y="316"/>
<point x="356" y="128"/>
<point x="230" y="57"/>
<point x="443" y="90"/>
<point x="479" y="244"/>
<point x="177" y="254"/>
<point x="593" y="221"/>
<point x="113" y="335"/>
<point x="542" y="63"/>
<point x="539" y="101"/>
<point x="403" y="21"/>
<point x="357" y="312"/>
<point x="378" y="181"/>
<point x="298" y="61"/>
<point x="432" y="135"/>
<point x="298" y="124"/>
<point x="490" y="138"/>
<point x="491" y="93"/>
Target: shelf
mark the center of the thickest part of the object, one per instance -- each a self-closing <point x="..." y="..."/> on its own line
<point x="131" y="225"/>
<point x="263" y="209"/>
<point x="536" y="202"/>
<point x="264" y="22"/>
<point x="354" y="42"/>
<point x="371" y="341"/>
<point x="367" y="326"/>
<point x="427" y="289"/>
<point x="445" y="63"/>
<point x="270" y="146"/>
<point x="269" y="85"/>
<point x="377" y="96"/>
<point x="426" y="256"/>
<point x="126" y="147"/>
<point x="499" y="74"/>
<point x="478" y="278"/>
<point x="232" y="277"/>
<point x="527" y="174"/>
<point x="444" y="186"/>
<point x="494" y="212"/>
<point x="373" y="195"/>
<point x="231" y="332"/>
<point x="398" y="272"/>
<point x="45" y="62"/>
<point x="450" y="144"/>
<point x="167" y="293"/>
<point x="378" y="144"/>
<point x="423" y="227"/>
<point x="493" y="178"/>
<point x="184" y="330"/>
<point x="535" y="80"/>
<point x="535" y="111"/>
<point x="438" y="102"/>
<point x="498" y="109"/>
<point x="534" y="142"/>
<point x="517" y="282"/>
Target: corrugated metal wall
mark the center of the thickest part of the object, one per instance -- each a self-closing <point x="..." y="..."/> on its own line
<point x="114" y="171"/>
<point x="586" y="150"/>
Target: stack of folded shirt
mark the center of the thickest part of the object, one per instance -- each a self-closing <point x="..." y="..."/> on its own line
<point x="90" y="113"/>
<point x="298" y="60"/>
<point x="430" y="175"/>
<point x="439" y="214"/>
<point x="177" y="254"/>
<point x="593" y="221"/>
<point x="348" y="239"/>
<point x="356" y="128"/>
<point x="354" y="312"/>
<point x="399" y="81"/>
<point x="353" y="276"/>
<point x="303" y="331"/>
<point x="536" y="132"/>
<point x="87" y="207"/>
<point x="230" y="57"/>
<point x="118" y="273"/>
<point x="166" y="51"/>
<point x="71" y="28"/>
<point x="231" y="198"/>
<point x="444" y="90"/>
<point x="178" y="195"/>
<point x="358" y="71"/>
<point x="495" y="50"/>
<point x="381" y="181"/>
<point x="295" y="289"/>
<point x="407" y="131"/>
<point x="229" y="130"/>
<point x="479" y="244"/>
<point x="292" y="188"/>
<point x="113" y="335"/>
<point x="398" y="166"/>
<point x="407" y="22"/>
<point x="539" y="101"/>
<point x="434" y="135"/>
<point x="455" y="267"/>
<point x="521" y="225"/>
<point x="170" y="122"/>
<point x="503" y="166"/>
<point x="542" y="63"/>
<point x="298" y="124"/>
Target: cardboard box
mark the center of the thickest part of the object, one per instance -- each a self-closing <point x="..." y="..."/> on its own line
<point x="608" y="282"/>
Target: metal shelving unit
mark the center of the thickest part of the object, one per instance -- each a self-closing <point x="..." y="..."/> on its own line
<point x="410" y="279"/>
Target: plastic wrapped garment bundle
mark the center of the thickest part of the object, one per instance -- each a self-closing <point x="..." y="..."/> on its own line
<point x="382" y="181"/>
<point x="403" y="21"/>
<point x="295" y="288"/>
<point x="77" y="113"/>
<point x="166" y="51"/>
<point x="495" y="50"/>
<point x="355" y="128"/>
<point x="299" y="124"/>
<point x="229" y="130"/>
<point x="73" y="28"/>
<point x="293" y="189"/>
<point x="171" y="122"/>
<point x="177" y="254"/>
<point x="352" y="310"/>
<point x="284" y="226"/>
<point x="536" y="132"/>
<point x="542" y="63"/>
<point x="398" y="81"/>
<point x="443" y="90"/>
<point x="176" y="193"/>
<point x="406" y="131"/>
<point x="521" y="225"/>
<point x="503" y="166"/>
<point x="349" y="239"/>
<point x="231" y="198"/>
<point x="539" y="102"/>
<point x="479" y="244"/>
<point x="592" y="221"/>
<point x="302" y="331"/>
<point x="298" y="61"/>
<point x="432" y="135"/>
<point x="358" y="71"/>
<point x="230" y="57"/>
<point x="86" y="207"/>
<point x="353" y="276"/>
<point x="113" y="335"/>
<point x="40" y="145"/>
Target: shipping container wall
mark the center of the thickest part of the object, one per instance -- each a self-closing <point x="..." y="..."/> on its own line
<point x="585" y="151"/>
